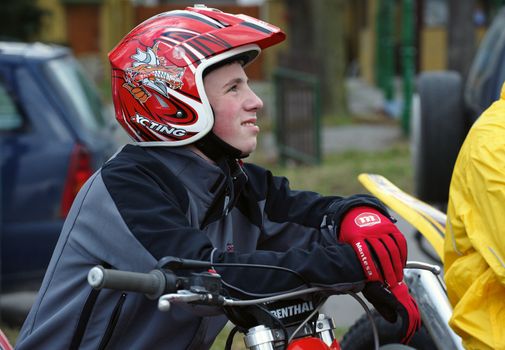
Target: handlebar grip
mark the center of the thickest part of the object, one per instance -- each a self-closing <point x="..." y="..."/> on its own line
<point x="152" y="284"/>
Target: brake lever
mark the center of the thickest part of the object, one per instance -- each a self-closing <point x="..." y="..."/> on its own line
<point x="186" y="296"/>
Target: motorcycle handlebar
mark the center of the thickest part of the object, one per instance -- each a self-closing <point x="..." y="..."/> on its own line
<point x="160" y="281"/>
<point x="152" y="284"/>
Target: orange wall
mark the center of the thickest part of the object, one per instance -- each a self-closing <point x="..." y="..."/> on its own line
<point x="83" y="28"/>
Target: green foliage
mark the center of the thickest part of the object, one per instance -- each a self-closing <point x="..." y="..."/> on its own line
<point x="337" y="175"/>
<point x="333" y="119"/>
<point x="10" y="332"/>
<point x="20" y="20"/>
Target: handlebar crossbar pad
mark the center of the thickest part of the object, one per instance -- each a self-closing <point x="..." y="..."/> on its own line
<point x="152" y="284"/>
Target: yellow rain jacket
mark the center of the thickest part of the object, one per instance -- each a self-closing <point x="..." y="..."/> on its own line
<point x="474" y="251"/>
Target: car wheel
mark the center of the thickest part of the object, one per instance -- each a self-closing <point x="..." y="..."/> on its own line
<point x="438" y="130"/>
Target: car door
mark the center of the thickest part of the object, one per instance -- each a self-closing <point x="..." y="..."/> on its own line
<point x="486" y="74"/>
<point x="34" y="154"/>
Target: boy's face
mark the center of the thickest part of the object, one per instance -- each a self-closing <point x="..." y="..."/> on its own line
<point x="235" y="106"/>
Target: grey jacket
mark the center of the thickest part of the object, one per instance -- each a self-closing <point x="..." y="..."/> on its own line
<point x="147" y="203"/>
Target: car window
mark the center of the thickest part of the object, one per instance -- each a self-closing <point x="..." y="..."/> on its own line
<point x="10" y="119"/>
<point x="501" y="73"/>
<point x="77" y="91"/>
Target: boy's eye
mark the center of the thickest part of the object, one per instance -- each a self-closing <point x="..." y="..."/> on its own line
<point x="233" y="88"/>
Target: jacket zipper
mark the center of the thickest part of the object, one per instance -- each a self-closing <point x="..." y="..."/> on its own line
<point x="112" y="322"/>
<point x="83" y="319"/>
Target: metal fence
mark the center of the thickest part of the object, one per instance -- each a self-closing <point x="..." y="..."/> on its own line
<point x="298" y="115"/>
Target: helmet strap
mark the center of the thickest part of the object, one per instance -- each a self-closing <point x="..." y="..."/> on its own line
<point x="216" y="149"/>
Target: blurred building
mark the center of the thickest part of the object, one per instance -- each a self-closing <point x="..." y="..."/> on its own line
<point x="92" y="27"/>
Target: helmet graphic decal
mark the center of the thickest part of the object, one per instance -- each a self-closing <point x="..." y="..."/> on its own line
<point x="199" y="46"/>
<point x="150" y="70"/>
<point x="157" y="70"/>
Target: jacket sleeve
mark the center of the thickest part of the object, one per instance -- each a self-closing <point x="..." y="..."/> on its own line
<point x="285" y="208"/>
<point x="154" y="209"/>
<point x="482" y="187"/>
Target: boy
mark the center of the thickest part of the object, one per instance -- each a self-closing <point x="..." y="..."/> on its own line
<point x="180" y="91"/>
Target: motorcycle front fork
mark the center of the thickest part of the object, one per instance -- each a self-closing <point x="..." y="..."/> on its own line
<point x="265" y="338"/>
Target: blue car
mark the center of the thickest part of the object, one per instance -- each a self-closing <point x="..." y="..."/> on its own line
<point x="53" y="135"/>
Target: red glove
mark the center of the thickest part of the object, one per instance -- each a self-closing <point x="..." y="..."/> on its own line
<point x="379" y="245"/>
<point x="393" y="302"/>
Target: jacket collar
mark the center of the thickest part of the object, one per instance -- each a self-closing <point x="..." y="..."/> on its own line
<point x="202" y="178"/>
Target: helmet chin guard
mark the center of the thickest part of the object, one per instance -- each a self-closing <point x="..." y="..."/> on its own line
<point x="157" y="71"/>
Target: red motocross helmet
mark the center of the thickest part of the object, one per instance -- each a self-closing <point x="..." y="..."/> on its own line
<point x="157" y="70"/>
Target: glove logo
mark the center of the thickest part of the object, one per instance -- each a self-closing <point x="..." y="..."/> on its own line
<point x="364" y="260"/>
<point x="367" y="219"/>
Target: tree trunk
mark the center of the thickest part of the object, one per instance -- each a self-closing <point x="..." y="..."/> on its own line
<point x="331" y="50"/>
<point x="461" y="36"/>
